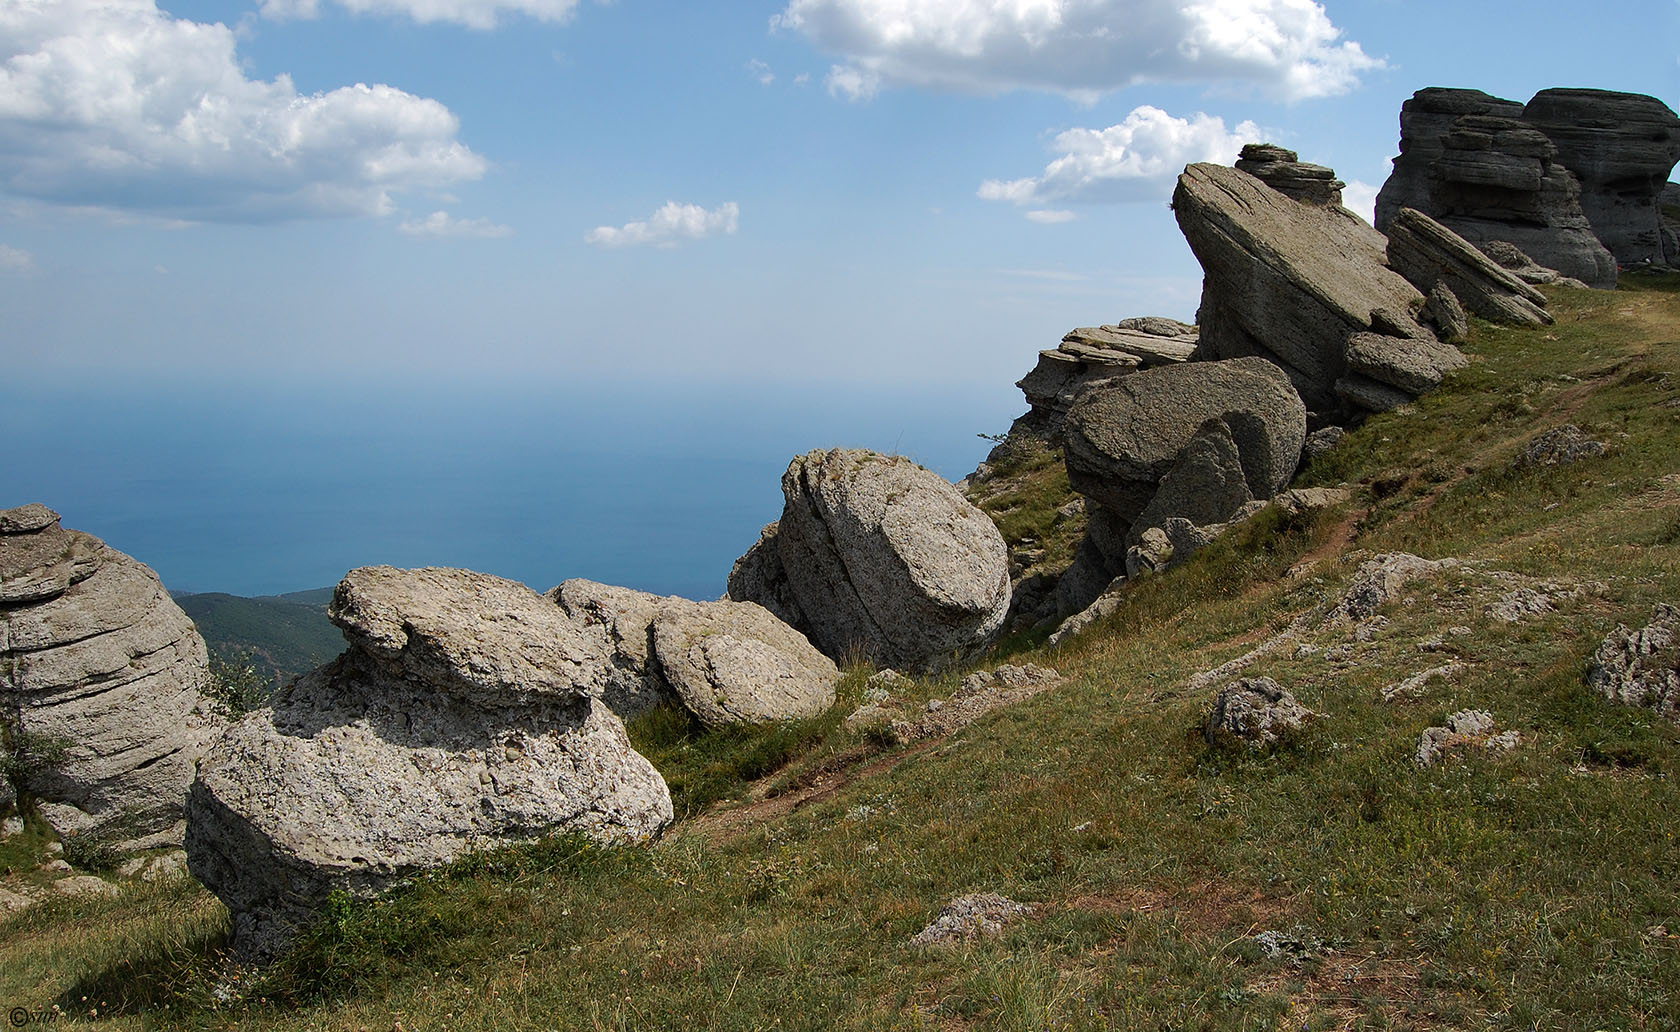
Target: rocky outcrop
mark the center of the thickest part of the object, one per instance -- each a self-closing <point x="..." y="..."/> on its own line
<point x="1284" y="171"/>
<point x="966" y="918"/>
<point x="102" y="681"/>
<point x="1290" y="282"/>
<point x="876" y="556"/>
<point x="1095" y="353"/>
<point x="1668" y="206"/>
<point x="1621" y="146"/>
<point x="1256" y="712"/>
<point x="1559" y="446"/>
<point x="1429" y="254"/>
<point x="621" y="621"/>
<point x="1215" y="434"/>
<point x="1571" y="178"/>
<point x="463" y="715"/>
<point x="1641" y="668"/>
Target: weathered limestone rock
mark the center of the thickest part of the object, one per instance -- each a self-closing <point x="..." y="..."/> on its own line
<point x="736" y="663"/>
<point x="1256" y="711"/>
<point x="887" y="559"/>
<point x="1444" y="312"/>
<point x="1414" y="366"/>
<point x="1095" y="353"/>
<point x="1560" y="446"/>
<point x="1641" y="668"/>
<point x="1621" y="146"/>
<point x="1470" y="162"/>
<point x="1668" y="207"/>
<point x="979" y="694"/>
<point x="1380" y="579"/>
<point x="1429" y="254"/>
<point x="463" y="715"/>
<point x="966" y="918"/>
<point x="1285" y="172"/>
<point x="101" y="684"/>
<point x="1288" y="281"/>
<point x="1464" y="728"/>
<point x="1124" y="437"/>
<point x="621" y="619"/>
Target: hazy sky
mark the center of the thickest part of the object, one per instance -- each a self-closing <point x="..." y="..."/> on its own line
<point x="808" y="191"/>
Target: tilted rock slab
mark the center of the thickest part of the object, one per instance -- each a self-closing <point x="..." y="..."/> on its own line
<point x="726" y="662"/>
<point x="1428" y="253"/>
<point x="1094" y="353"/>
<point x="880" y="557"/>
<point x="103" y="675"/>
<point x="1289" y="282"/>
<point x="463" y="716"/>
<point x="1124" y="438"/>
<point x="1641" y="668"/>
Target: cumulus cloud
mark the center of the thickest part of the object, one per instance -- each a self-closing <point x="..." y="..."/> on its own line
<point x="443" y="224"/>
<point x="1360" y="198"/>
<point x="13" y="259"/>
<point x="113" y="104"/>
<point x="1051" y="216"/>
<point x="761" y="71"/>
<point x="671" y="225"/>
<point x="475" y="14"/>
<point x="1083" y="48"/>
<point x="1136" y="160"/>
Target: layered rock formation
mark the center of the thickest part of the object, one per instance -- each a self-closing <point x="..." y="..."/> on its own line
<point x="726" y="662"/>
<point x="101" y="684"/>
<point x="1285" y="172"/>
<point x="463" y="715"/>
<point x="1429" y="254"/>
<point x="1571" y="178"/>
<point x="876" y="556"/>
<point x="1621" y="146"/>
<point x="1668" y="206"/>
<point x="1292" y="283"/>
<point x="1094" y="353"/>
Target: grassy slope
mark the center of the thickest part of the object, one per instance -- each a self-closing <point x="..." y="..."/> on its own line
<point x="1535" y="889"/>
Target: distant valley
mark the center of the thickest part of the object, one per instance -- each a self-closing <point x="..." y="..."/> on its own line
<point x="281" y="636"/>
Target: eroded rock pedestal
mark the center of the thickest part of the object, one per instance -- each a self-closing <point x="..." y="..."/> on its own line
<point x="102" y="682"/>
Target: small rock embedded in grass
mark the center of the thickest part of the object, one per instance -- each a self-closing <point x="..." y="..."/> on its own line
<point x="1256" y="711"/>
<point x="979" y="694"/>
<point x="1297" y="946"/>
<point x="1418" y="683"/>
<point x="966" y="918"/>
<point x="1464" y="728"/>
<point x="1560" y="446"/>
<point x="1642" y="668"/>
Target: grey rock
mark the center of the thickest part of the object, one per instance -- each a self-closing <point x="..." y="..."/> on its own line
<point x="758" y="576"/>
<point x="102" y="676"/>
<point x="8" y="793"/>
<point x="1256" y="711"/>
<point x="1093" y="354"/>
<point x="84" y="885"/>
<point x="1446" y="314"/>
<point x="1464" y="728"/>
<point x="1321" y="441"/>
<point x="1205" y="485"/>
<point x="1287" y="281"/>
<point x="1411" y="365"/>
<point x="1621" y="146"/>
<point x="1516" y="261"/>
<point x="1283" y="171"/>
<point x="1641" y="668"/>
<point x="886" y="559"/>
<point x="966" y="918"/>
<point x="1471" y="162"/>
<point x="1428" y="254"/>
<point x="979" y="694"/>
<point x="1104" y="604"/>
<point x="621" y="620"/>
<point x="736" y="663"/>
<point x="1379" y="580"/>
<point x="1152" y="554"/>
<point x="354" y="781"/>
<point x="1123" y="437"/>
<point x="1365" y="394"/>
<point x="1560" y="446"/>
<point x="1668" y="206"/>
<point x="1086" y="578"/>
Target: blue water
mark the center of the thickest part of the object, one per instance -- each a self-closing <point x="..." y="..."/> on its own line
<point x="265" y="488"/>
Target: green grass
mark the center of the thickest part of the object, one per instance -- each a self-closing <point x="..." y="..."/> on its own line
<point x="1536" y="889"/>
<point x="281" y="638"/>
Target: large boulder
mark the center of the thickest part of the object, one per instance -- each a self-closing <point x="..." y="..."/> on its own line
<point x="463" y="715"/>
<point x="881" y="559"/>
<point x="1238" y="421"/>
<point x="102" y="685"/>
<point x="1429" y="254"/>
<point x="1621" y="146"/>
<point x="1288" y="282"/>
<point x="726" y="662"/>
<point x="1471" y="162"/>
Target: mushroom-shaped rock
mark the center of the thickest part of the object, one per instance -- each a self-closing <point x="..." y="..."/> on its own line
<point x="1124" y="437"/>
<point x="102" y="681"/>
<point x="736" y="663"/>
<point x="885" y="559"/>
<point x="463" y="715"/>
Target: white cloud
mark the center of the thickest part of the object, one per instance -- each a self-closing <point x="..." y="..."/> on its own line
<point x="1136" y="160"/>
<point x="14" y="259"/>
<point x="115" y="105"/>
<point x="1051" y="216"/>
<point x="761" y="71"/>
<point x="475" y="14"/>
<point x="1360" y="198"/>
<point x="669" y="226"/>
<point x="1083" y="48"/>
<point x="442" y="224"/>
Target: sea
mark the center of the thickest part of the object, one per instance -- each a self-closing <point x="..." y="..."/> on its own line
<point x="258" y="486"/>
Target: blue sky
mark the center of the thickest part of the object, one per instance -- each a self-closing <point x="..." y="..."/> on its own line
<point x="794" y="198"/>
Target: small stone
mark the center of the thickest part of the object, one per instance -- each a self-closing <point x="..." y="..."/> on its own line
<point x="981" y="915"/>
<point x="1257" y="711"/>
<point x="1560" y="446"/>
